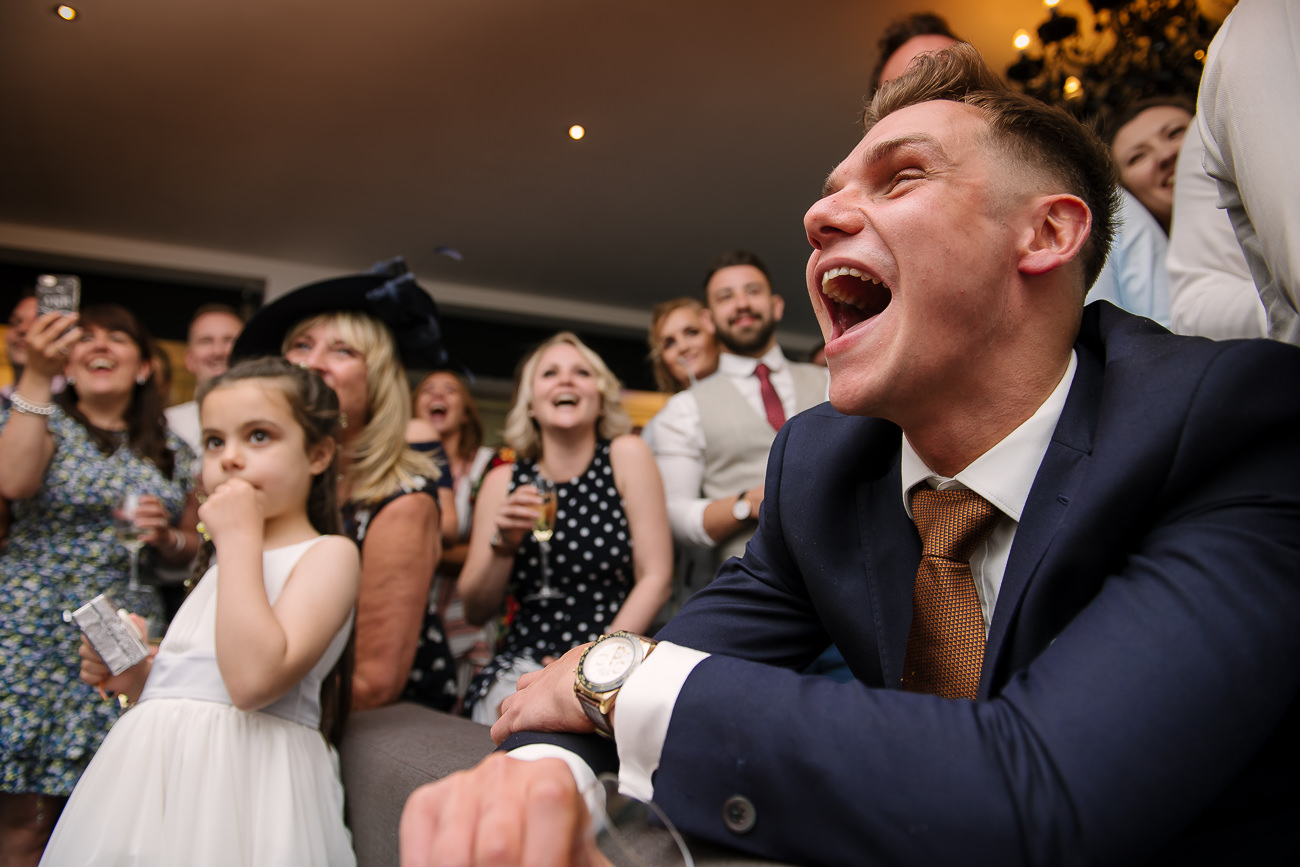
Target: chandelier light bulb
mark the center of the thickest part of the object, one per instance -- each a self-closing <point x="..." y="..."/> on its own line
<point x="67" y="13"/>
<point x="1021" y="40"/>
<point x="576" y="132"/>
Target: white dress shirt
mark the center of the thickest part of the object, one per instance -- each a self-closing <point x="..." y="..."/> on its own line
<point x="678" y="438"/>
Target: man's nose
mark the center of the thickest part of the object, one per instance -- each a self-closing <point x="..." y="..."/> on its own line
<point x="831" y="216"/>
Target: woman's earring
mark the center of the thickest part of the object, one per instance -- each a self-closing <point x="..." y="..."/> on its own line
<point x="343" y="420"/>
<point x="70" y="380"/>
<point x="141" y="379"/>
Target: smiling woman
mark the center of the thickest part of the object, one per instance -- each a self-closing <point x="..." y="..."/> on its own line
<point x="603" y="562"/>
<point x="63" y="464"/>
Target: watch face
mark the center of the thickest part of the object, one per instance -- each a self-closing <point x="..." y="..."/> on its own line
<point x="609" y="661"/>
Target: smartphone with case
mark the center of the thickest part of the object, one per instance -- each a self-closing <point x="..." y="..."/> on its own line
<point x="58" y="293"/>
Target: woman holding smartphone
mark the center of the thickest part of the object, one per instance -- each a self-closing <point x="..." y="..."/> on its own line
<point x="65" y="463"/>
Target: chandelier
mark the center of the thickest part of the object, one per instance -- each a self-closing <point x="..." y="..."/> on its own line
<point x="1116" y="52"/>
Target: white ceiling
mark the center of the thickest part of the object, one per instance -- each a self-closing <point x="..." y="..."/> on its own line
<point x="338" y="133"/>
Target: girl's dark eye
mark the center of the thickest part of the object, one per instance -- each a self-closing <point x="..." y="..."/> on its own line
<point x="259" y="436"/>
<point x="212" y="443"/>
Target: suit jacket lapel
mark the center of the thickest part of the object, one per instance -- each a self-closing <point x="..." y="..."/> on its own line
<point x="891" y="549"/>
<point x="1063" y="468"/>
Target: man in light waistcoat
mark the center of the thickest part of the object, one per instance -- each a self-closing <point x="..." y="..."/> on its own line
<point x="712" y="440"/>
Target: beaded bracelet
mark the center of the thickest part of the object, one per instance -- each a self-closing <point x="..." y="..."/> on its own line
<point x="27" y="407"/>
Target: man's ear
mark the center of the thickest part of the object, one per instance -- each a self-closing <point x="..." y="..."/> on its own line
<point x="706" y="322"/>
<point x="1060" y="225"/>
<point x="778" y="307"/>
<point x="320" y="455"/>
<point x="190" y="362"/>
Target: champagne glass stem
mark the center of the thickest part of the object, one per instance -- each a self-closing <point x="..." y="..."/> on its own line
<point x="133" y="583"/>
<point x="546" y="567"/>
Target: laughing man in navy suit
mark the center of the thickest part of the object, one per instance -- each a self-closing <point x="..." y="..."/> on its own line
<point x="1134" y="689"/>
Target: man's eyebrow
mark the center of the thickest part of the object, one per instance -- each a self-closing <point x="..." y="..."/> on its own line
<point x="882" y="150"/>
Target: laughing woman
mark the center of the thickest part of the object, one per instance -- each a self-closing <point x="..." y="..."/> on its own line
<point x="610" y="558"/>
<point x="63" y="463"/>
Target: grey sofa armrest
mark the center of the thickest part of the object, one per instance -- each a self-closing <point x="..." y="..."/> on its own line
<point x="389" y="752"/>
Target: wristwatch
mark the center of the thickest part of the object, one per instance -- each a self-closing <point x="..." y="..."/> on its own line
<point x="602" y="670"/>
<point x="742" y="510"/>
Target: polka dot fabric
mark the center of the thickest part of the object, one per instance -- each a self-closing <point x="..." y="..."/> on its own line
<point x="945" y="648"/>
<point x="591" y="562"/>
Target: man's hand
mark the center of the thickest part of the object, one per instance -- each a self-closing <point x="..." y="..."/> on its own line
<point x="504" y="811"/>
<point x="544" y="702"/>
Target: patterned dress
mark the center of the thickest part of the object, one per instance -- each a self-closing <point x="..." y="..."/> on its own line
<point x="62" y="553"/>
<point x="590" y="561"/>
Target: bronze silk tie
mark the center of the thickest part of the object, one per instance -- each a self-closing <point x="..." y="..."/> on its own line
<point x="771" y="400"/>
<point x="945" y="648"/>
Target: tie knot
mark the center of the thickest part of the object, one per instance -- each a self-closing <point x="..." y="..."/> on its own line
<point x="763" y="372"/>
<point x="952" y="523"/>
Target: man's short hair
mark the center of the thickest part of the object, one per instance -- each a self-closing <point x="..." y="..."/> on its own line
<point x="730" y="259"/>
<point x="213" y="307"/>
<point x="904" y="30"/>
<point x="1043" y="138"/>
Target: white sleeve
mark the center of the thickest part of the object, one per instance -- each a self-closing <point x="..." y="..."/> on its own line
<point x="643" y="711"/>
<point x="1211" y="292"/>
<point x="1247" y="120"/>
<point x="678" y="443"/>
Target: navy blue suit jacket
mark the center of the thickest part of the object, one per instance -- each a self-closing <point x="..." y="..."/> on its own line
<point x="1138" y="697"/>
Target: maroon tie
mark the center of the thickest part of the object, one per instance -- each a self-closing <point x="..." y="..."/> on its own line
<point x="945" y="648"/>
<point x="771" y="402"/>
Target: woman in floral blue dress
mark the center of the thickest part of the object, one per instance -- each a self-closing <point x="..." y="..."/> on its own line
<point x="62" y="467"/>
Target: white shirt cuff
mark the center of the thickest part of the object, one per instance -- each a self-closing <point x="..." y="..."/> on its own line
<point x="592" y="791"/>
<point x="643" y="711"/>
<point x="694" y="524"/>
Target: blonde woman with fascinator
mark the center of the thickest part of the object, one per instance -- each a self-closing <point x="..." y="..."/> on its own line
<point x="357" y="332"/>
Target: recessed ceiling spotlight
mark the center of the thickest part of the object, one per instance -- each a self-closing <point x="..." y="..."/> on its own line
<point x="67" y="13"/>
<point x="576" y="132"/>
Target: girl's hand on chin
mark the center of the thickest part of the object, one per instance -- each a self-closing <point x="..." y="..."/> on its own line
<point x="235" y="507"/>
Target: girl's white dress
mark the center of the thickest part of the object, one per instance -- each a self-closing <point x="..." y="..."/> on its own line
<point x="185" y="777"/>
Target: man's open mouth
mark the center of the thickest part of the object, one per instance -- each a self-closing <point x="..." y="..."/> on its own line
<point x="852" y="297"/>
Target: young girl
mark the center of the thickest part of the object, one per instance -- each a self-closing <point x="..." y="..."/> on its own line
<point x="222" y="762"/>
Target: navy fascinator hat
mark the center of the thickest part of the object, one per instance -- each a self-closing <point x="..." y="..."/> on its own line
<point x="388" y="292"/>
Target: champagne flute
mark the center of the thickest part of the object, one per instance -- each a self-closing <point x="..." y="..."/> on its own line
<point x="543" y="529"/>
<point x="128" y="534"/>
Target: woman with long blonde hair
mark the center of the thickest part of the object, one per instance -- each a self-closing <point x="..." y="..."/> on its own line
<point x="603" y="561"/>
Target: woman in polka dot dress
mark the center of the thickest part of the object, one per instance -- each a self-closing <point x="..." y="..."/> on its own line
<point x="610" y="559"/>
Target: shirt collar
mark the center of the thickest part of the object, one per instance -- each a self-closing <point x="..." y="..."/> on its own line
<point x="1004" y="474"/>
<point x="742" y="365"/>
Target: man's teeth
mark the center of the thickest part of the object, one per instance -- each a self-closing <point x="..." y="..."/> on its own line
<point x="831" y="290"/>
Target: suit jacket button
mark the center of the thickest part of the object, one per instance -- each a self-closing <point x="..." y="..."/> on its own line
<point x="738" y="814"/>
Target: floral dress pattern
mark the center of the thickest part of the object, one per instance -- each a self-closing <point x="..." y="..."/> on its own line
<point x="61" y="554"/>
<point x="590" y="561"/>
